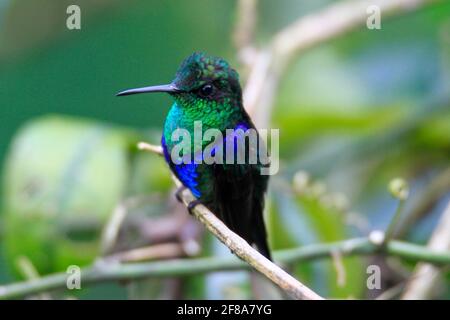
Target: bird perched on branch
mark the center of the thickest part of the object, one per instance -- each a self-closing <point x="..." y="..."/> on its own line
<point x="206" y="90"/>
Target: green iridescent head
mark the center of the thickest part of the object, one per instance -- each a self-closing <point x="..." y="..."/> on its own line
<point x="200" y="76"/>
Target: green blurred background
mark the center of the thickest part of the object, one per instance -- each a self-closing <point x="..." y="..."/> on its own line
<point x="353" y="114"/>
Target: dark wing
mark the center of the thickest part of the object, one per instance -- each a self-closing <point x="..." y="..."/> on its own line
<point x="239" y="203"/>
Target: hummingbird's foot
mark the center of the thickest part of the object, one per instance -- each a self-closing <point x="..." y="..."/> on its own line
<point x="179" y="192"/>
<point x="191" y="205"/>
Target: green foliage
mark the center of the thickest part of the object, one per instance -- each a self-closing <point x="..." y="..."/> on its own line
<point x="63" y="178"/>
<point x="353" y="113"/>
<point x="312" y="217"/>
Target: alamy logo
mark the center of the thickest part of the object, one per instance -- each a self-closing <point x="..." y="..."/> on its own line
<point x="73" y="21"/>
<point x="374" y="19"/>
<point x="241" y="145"/>
<point x="73" y="277"/>
<point x="374" y="278"/>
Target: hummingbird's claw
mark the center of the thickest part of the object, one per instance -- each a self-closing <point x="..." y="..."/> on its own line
<point x="191" y="205"/>
<point x="179" y="192"/>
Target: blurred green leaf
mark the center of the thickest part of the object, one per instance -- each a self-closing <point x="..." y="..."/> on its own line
<point x="63" y="177"/>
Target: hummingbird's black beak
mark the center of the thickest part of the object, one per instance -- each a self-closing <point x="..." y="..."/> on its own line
<point x="169" y="88"/>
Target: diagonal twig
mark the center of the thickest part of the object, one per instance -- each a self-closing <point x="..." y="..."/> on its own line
<point x="241" y="248"/>
<point x="272" y="61"/>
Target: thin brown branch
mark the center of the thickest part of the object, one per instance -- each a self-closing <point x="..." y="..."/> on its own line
<point x="102" y="271"/>
<point x="241" y="248"/>
<point x="338" y="263"/>
<point x="305" y="33"/>
<point x="154" y="252"/>
<point x="244" y="32"/>
<point x="422" y="287"/>
<point x="29" y="272"/>
<point x="424" y="202"/>
<point x="112" y="227"/>
<point x="150" y="147"/>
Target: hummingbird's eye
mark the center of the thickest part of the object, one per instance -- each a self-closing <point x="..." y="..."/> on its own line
<point x="207" y="90"/>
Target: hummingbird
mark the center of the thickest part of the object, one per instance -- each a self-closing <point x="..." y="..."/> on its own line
<point x="207" y="89"/>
